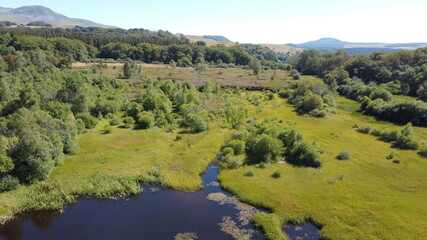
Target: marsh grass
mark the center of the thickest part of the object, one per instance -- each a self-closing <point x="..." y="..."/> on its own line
<point x="365" y="201"/>
<point x="114" y="165"/>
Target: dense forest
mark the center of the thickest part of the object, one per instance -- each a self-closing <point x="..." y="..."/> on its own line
<point x="84" y="44"/>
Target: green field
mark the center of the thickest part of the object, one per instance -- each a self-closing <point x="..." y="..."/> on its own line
<point x="366" y="197"/>
<point x="223" y="76"/>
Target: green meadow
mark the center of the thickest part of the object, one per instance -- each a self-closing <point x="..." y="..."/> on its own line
<point x="365" y="197"/>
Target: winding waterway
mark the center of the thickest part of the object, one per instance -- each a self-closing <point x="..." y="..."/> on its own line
<point x="210" y="213"/>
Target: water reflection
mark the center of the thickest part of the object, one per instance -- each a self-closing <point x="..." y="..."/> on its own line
<point x="210" y="213"/>
<point x="163" y="214"/>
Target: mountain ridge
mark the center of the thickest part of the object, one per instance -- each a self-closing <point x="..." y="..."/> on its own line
<point x="333" y="43"/>
<point x="27" y="14"/>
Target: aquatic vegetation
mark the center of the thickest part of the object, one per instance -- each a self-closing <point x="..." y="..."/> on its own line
<point x="230" y="227"/>
<point x="186" y="236"/>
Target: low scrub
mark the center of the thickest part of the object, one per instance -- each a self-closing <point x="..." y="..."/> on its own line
<point x="402" y="139"/>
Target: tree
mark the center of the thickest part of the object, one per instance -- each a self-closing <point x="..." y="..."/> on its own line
<point x="255" y="65"/>
<point x="128" y="69"/>
<point x="266" y="149"/>
<point x="311" y="102"/>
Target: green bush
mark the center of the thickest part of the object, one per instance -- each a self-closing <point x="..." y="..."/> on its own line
<point x="396" y="161"/>
<point x="305" y="154"/>
<point x="277" y="174"/>
<point x="344" y="155"/>
<point x="107" y="130"/>
<point x="237" y="145"/>
<point x="114" y="121"/>
<point x="423" y="152"/>
<point x="229" y="161"/>
<point x="266" y="149"/>
<point x="228" y="150"/>
<point x="128" y="121"/>
<point x="197" y="123"/>
<point x="248" y="174"/>
<point x="145" y="120"/>
<point x="89" y="120"/>
<point x="8" y="183"/>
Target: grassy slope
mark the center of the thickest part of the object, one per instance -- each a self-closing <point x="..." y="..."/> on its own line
<point x="123" y="154"/>
<point x="377" y="199"/>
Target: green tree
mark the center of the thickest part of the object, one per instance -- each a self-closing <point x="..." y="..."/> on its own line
<point x="255" y="65"/>
<point x="128" y="69"/>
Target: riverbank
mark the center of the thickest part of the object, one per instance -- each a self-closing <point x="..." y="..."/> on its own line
<point x="114" y="164"/>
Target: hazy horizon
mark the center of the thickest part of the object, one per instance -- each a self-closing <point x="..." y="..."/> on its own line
<point x="272" y="21"/>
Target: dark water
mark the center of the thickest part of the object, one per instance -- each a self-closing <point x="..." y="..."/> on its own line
<point x="152" y="215"/>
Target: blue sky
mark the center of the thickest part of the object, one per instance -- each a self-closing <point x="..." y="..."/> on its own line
<point x="266" y="21"/>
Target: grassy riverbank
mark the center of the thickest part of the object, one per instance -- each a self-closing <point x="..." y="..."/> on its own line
<point x="366" y="197"/>
<point x="114" y="164"/>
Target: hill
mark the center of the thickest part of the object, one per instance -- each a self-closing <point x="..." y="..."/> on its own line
<point x="27" y="14"/>
<point x="277" y="48"/>
<point x="217" y="38"/>
<point x="332" y="44"/>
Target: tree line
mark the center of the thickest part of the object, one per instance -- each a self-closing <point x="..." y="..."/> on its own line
<point x="373" y="80"/>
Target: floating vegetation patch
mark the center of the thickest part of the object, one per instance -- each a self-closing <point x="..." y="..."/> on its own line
<point x="213" y="184"/>
<point x="186" y="236"/>
<point x="246" y="212"/>
<point x="230" y="227"/>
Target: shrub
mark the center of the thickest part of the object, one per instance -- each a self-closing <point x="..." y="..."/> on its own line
<point x="317" y="113"/>
<point x="114" y="121"/>
<point x="107" y="130"/>
<point x="228" y="150"/>
<point x="277" y="174"/>
<point x="128" y="121"/>
<point x="266" y="149"/>
<point x="178" y="137"/>
<point x="89" y="120"/>
<point x="391" y="155"/>
<point x="396" y="161"/>
<point x="237" y="145"/>
<point x="197" y="123"/>
<point x="145" y="120"/>
<point x="228" y="161"/>
<point x="364" y="129"/>
<point x="423" y="152"/>
<point x="8" y="183"/>
<point x="344" y="155"/>
<point x="407" y="142"/>
<point x="311" y="103"/>
<point x="248" y="174"/>
<point x="286" y="93"/>
<point x="305" y="154"/>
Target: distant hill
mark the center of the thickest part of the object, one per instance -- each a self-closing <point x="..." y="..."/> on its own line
<point x="332" y="44"/>
<point x="217" y="38"/>
<point x="277" y="48"/>
<point x="28" y="14"/>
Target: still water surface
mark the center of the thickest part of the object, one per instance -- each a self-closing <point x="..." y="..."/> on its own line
<point x="154" y="214"/>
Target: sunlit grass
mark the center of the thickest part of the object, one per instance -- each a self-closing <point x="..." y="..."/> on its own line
<point x="114" y="164"/>
<point x="366" y="197"/>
